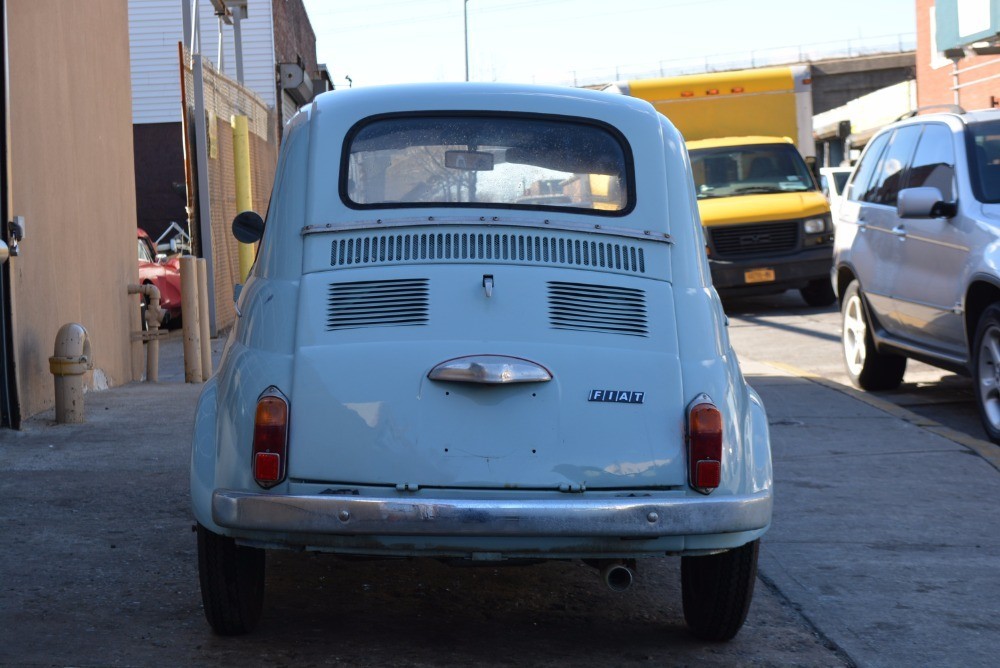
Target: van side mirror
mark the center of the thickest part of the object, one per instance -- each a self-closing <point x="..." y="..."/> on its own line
<point x="924" y="202"/>
<point x="248" y="227"/>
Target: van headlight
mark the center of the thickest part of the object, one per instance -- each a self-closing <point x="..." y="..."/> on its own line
<point x="814" y="225"/>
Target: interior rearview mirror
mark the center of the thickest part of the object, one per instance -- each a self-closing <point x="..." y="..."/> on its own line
<point x="471" y="161"/>
<point x="248" y="227"/>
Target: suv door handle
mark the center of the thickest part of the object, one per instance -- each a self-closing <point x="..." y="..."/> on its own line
<point x="899" y="231"/>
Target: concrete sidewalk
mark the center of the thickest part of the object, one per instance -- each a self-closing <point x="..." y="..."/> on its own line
<point x="885" y="537"/>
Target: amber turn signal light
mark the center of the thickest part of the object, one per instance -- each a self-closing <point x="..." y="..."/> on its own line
<point x="270" y="439"/>
<point x="705" y="446"/>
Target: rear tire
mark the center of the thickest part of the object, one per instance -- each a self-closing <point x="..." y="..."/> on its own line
<point x="819" y="292"/>
<point x="232" y="583"/>
<point x="867" y="368"/>
<point x="986" y="371"/>
<point x="717" y="590"/>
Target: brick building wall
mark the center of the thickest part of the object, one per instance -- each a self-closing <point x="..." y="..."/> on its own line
<point x="935" y="73"/>
<point x="294" y="39"/>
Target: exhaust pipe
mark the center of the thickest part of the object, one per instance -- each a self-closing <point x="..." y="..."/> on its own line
<point x="617" y="575"/>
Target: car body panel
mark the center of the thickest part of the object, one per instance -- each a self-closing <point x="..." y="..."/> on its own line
<point x="163" y="273"/>
<point x="434" y="467"/>
<point x="762" y="208"/>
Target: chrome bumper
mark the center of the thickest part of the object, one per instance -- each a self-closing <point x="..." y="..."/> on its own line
<point x="646" y="517"/>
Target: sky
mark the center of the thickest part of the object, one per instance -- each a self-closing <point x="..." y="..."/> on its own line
<point x="578" y="42"/>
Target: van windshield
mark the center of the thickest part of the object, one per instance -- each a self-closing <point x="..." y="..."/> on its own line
<point x="985" y="160"/>
<point x="476" y="160"/>
<point x="731" y="171"/>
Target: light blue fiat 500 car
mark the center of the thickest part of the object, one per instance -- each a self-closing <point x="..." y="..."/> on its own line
<point x="481" y="327"/>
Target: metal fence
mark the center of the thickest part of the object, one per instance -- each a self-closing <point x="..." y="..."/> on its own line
<point x="224" y="98"/>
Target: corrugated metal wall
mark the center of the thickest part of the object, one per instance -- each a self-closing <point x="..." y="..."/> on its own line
<point x="155" y="28"/>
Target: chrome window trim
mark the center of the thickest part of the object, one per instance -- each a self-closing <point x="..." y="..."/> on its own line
<point x="488" y="223"/>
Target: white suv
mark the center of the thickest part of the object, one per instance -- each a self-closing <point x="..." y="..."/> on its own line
<point x="917" y="254"/>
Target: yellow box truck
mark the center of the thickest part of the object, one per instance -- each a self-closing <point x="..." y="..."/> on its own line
<point x="767" y="224"/>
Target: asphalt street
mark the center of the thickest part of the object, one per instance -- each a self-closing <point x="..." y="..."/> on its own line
<point x="883" y="552"/>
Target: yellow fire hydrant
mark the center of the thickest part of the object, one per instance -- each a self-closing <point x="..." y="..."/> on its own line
<point x="71" y="360"/>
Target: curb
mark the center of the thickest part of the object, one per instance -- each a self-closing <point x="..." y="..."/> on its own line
<point x="985" y="449"/>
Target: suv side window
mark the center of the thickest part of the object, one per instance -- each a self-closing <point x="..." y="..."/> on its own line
<point x="893" y="167"/>
<point x="934" y="162"/>
<point x="863" y="174"/>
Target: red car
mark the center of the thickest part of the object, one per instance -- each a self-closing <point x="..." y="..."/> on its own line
<point x="163" y="273"/>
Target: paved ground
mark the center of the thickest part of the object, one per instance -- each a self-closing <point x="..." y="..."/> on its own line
<point x="883" y="552"/>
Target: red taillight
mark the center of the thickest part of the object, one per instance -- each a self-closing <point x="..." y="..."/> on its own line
<point x="705" y="446"/>
<point x="270" y="439"/>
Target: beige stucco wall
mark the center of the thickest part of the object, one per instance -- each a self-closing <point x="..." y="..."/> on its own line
<point x="71" y="177"/>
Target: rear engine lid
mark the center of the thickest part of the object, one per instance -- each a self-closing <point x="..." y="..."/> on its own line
<point x="365" y="412"/>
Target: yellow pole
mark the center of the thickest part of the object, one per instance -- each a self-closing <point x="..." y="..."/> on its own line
<point x="244" y="200"/>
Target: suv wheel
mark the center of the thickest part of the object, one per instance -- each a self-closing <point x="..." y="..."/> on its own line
<point x="867" y="368"/>
<point x="818" y="293"/>
<point x="986" y="370"/>
<point x="232" y="583"/>
<point x="717" y="590"/>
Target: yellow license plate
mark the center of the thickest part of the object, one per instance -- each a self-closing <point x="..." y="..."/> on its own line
<point x="758" y="275"/>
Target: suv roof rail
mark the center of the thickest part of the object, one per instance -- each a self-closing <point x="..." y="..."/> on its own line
<point x="953" y="108"/>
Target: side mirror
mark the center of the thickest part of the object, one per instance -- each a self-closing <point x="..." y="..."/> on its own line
<point x="4" y="252"/>
<point x="924" y="203"/>
<point x="248" y="227"/>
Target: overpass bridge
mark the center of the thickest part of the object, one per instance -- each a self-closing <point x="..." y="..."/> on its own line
<point x="836" y="81"/>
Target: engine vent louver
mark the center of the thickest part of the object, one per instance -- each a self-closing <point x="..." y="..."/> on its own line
<point x="377" y="304"/>
<point x="509" y="247"/>
<point x="597" y="308"/>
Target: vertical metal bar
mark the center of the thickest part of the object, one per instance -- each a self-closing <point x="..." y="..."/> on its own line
<point x="204" y="198"/>
<point x="238" y="41"/>
<point x="244" y="189"/>
<point x="222" y="45"/>
<point x="10" y="410"/>
<point x="195" y="42"/>
<point x="186" y="19"/>
<point x="465" y="32"/>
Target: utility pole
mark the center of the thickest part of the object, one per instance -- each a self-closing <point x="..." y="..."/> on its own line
<point x="465" y="23"/>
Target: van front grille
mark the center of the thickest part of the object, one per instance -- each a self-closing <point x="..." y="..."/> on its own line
<point x="377" y="304"/>
<point x="759" y="239"/>
<point x="597" y="308"/>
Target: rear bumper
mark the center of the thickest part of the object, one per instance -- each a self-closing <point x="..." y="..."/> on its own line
<point x="610" y="517"/>
<point x="790" y="271"/>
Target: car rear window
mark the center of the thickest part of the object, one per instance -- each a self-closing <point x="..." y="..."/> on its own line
<point x="531" y="162"/>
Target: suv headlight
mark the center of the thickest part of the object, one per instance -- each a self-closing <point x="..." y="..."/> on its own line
<point x="814" y="225"/>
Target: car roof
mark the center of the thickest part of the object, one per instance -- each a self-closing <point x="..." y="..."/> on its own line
<point x="956" y="119"/>
<point x="433" y="97"/>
